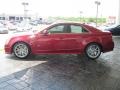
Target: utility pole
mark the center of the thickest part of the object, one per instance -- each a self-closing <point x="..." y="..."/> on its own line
<point x="25" y="4"/>
<point x="81" y="16"/>
<point x="97" y="4"/>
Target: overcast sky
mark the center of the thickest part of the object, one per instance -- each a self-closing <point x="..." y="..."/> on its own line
<point x="60" y="7"/>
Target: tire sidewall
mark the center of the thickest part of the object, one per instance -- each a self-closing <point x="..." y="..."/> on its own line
<point x="87" y="49"/>
<point x="26" y="46"/>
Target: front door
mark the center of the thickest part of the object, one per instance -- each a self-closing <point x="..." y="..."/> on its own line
<point x="51" y="42"/>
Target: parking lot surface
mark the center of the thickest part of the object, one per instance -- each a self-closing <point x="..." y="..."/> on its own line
<point x="61" y="72"/>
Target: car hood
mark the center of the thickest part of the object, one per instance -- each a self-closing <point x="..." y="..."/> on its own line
<point x="21" y="34"/>
<point x="3" y="28"/>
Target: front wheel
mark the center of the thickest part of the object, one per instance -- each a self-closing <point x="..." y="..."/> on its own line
<point x="21" y="50"/>
<point x="93" y="51"/>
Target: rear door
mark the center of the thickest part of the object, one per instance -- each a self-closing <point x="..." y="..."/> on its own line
<point x="75" y="37"/>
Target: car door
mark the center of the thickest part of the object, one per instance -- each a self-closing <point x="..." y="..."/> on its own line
<point x="117" y="30"/>
<point x="52" y="42"/>
<point x="75" y="37"/>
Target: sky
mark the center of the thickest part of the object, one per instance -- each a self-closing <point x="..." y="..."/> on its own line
<point x="66" y="8"/>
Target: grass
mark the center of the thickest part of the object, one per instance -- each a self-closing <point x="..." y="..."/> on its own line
<point x="1" y="49"/>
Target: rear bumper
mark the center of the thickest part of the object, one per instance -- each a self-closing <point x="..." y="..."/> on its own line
<point x="109" y="47"/>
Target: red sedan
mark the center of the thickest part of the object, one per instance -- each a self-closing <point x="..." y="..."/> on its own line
<point x="61" y="38"/>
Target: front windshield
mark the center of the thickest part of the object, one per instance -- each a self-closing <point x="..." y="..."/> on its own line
<point x="40" y="28"/>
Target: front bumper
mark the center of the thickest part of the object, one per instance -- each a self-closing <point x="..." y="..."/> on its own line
<point x="8" y="49"/>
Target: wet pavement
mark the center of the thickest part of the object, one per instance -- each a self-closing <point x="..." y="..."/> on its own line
<point x="61" y="72"/>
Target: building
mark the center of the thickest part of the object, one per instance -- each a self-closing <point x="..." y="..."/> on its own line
<point x="12" y="17"/>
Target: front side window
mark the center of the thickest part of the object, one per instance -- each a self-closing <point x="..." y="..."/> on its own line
<point x="77" y="29"/>
<point x="56" y="29"/>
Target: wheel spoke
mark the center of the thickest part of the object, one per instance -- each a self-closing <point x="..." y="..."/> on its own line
<point x="93" y="51"/>
<point x="21" y="50"/>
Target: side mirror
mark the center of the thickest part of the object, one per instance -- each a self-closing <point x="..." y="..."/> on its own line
<point x="44" y="32"/>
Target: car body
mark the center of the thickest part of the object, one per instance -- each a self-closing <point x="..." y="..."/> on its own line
<point x="61" y="38"/>
<point x="115" y="29"/>
<point x="21" y="27"/>
<point x="3" y="29"/>
<point x="11" y="26"/>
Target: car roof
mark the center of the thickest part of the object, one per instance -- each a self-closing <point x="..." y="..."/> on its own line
<point x="87" y="27"/>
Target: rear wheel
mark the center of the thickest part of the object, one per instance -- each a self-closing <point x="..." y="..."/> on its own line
<point x="93" y="51"/>
<point x="21" y="50"/>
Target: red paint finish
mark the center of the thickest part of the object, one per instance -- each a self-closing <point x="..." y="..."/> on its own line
<point x="45" y="42"/>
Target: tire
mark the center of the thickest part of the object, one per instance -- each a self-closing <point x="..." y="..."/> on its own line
<point x="93" y="51"/>
<point x="21" y="50"/>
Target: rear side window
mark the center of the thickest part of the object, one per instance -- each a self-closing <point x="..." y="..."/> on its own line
<point x="77" y="29"/>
